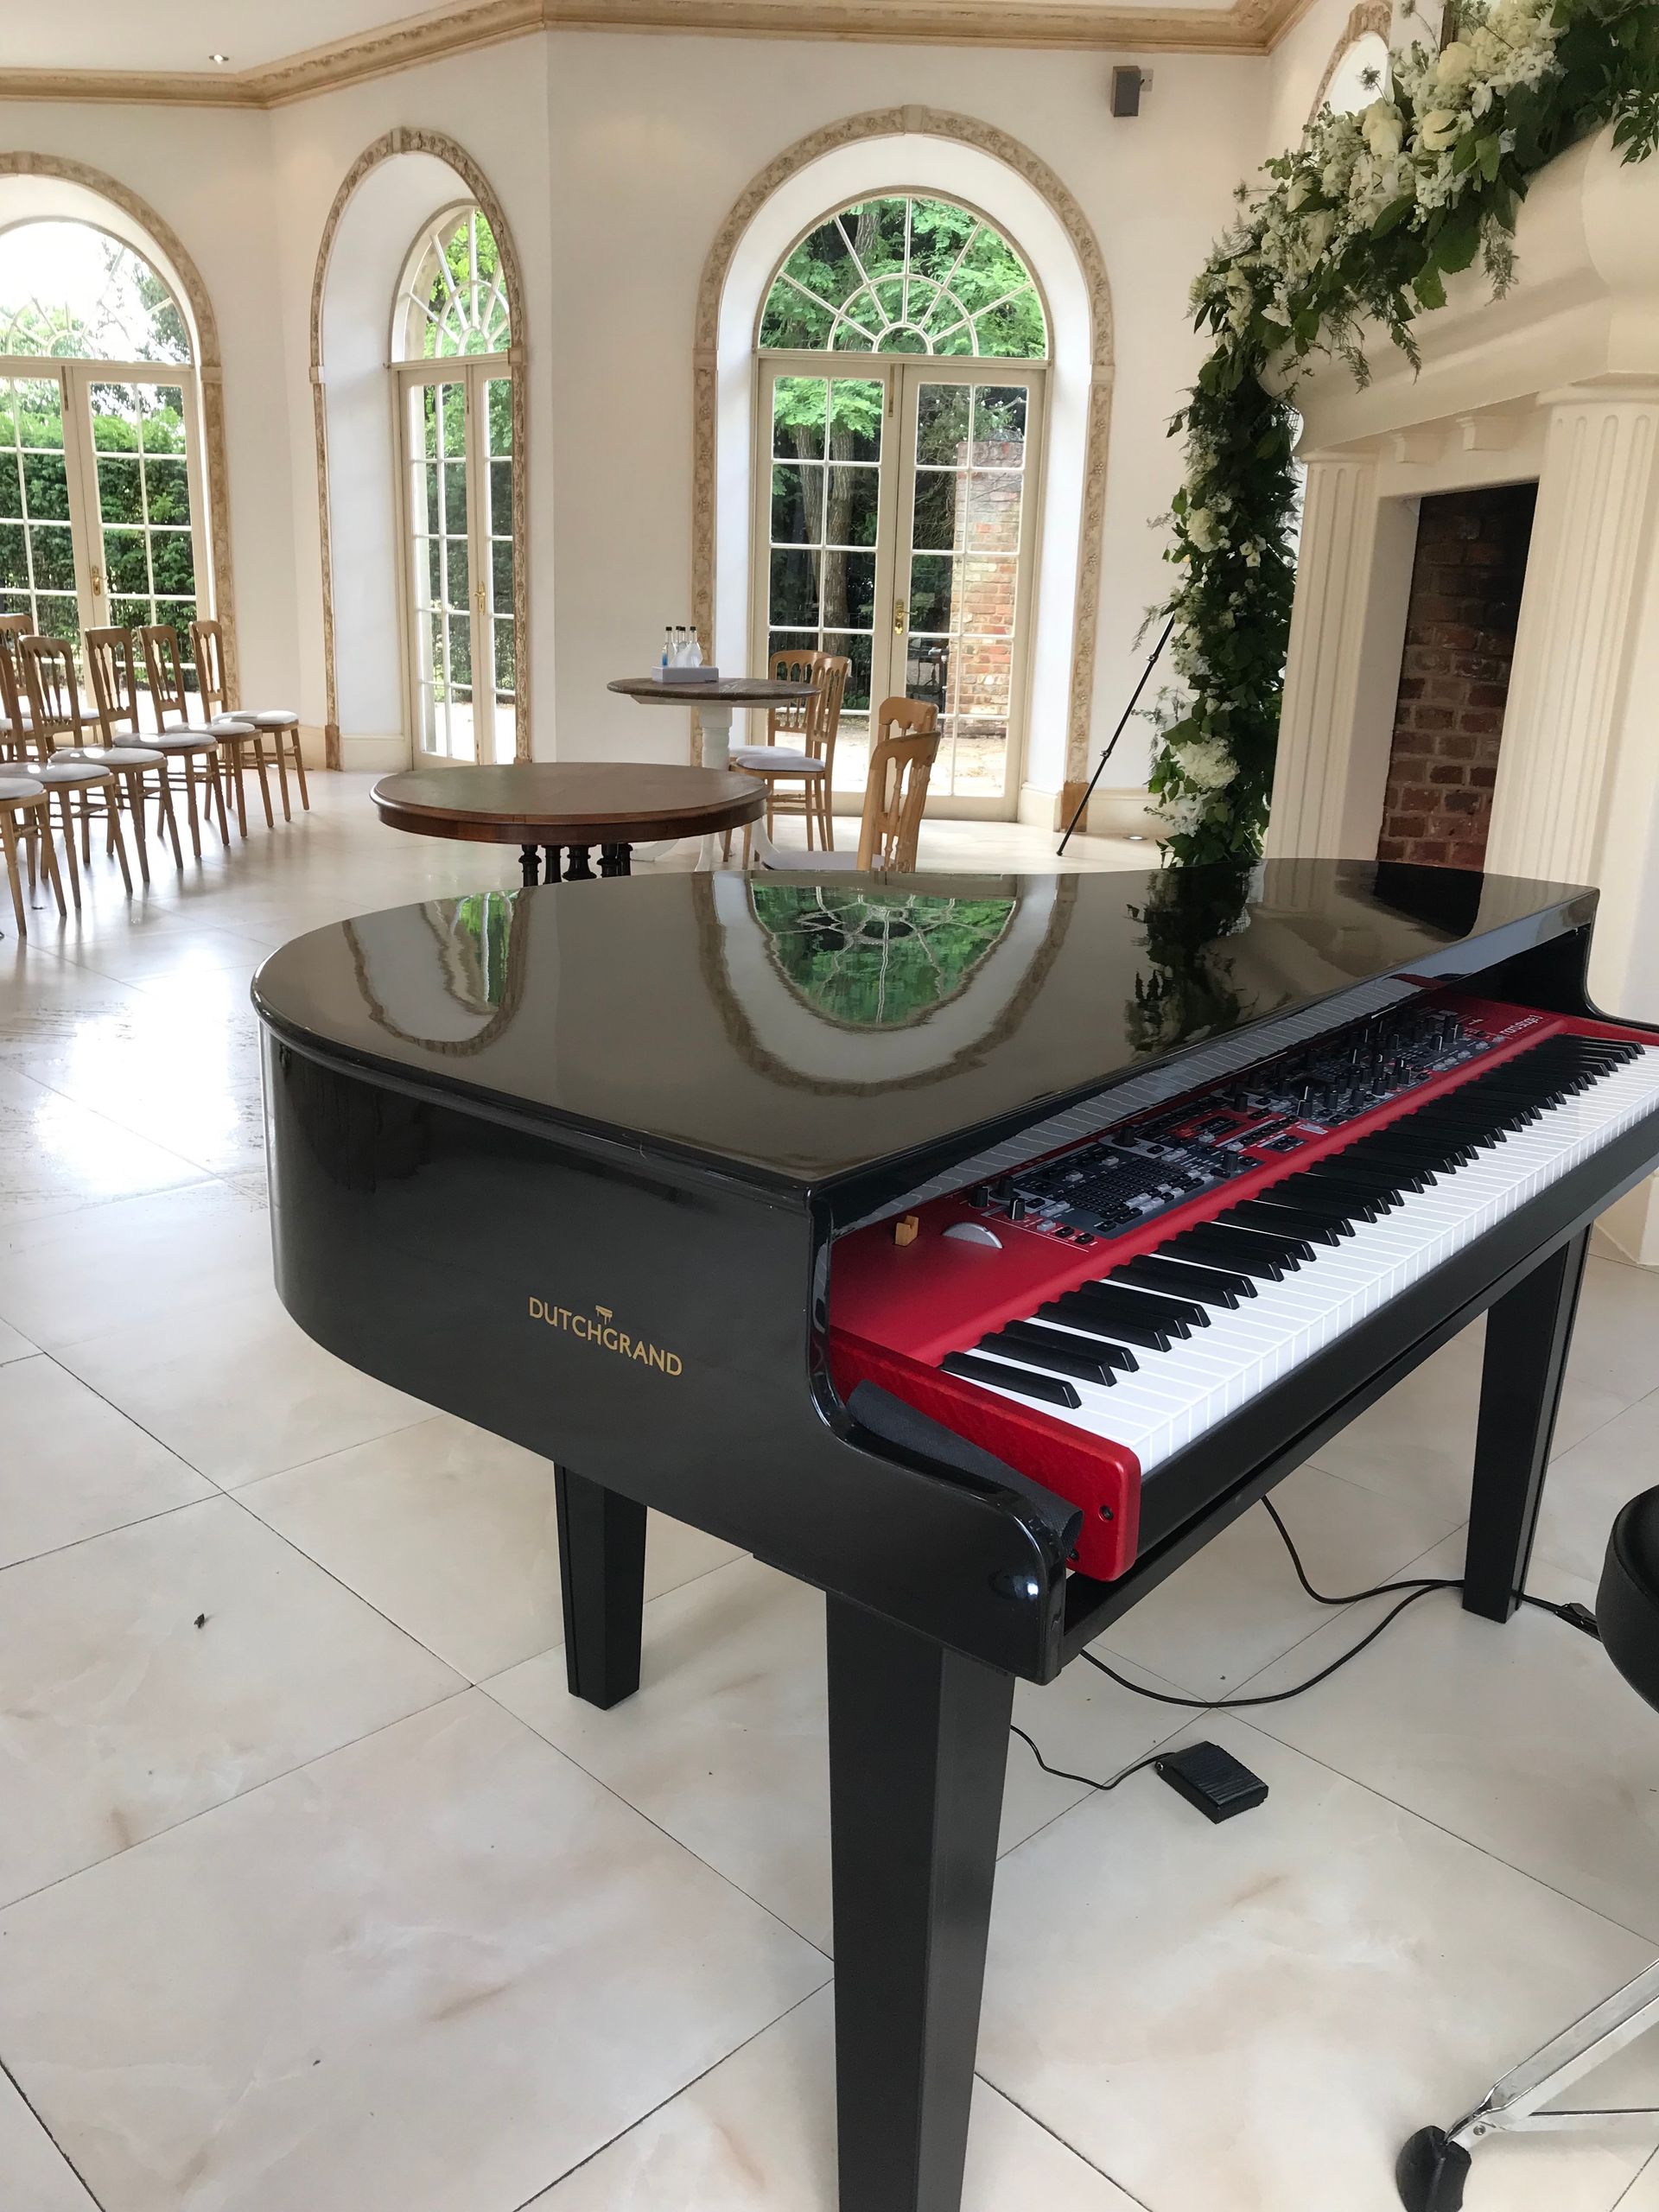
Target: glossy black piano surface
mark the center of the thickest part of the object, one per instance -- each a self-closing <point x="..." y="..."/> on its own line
<point x="572" y="1163"/>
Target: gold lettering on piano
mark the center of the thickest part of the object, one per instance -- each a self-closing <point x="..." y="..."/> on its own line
<point x="598" y="1328"/>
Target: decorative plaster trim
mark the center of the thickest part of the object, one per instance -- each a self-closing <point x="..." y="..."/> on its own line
<point x="405" y="139"/>
<point x="210" y="376"/>
<point x="1246" y="27"/>
<point x="966" y="130"/>
<point x="1369" y="16"/>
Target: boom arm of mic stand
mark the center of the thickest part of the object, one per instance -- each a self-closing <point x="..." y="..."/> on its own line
<point x="1135" y="700"/>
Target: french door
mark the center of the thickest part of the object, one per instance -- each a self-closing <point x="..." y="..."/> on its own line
<point x="102" y="510"/>
<point x="458" y="462"/>
<point x="895" y="525"/>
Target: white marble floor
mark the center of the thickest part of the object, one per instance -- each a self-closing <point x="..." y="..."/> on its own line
<point x="319" y="1894"/>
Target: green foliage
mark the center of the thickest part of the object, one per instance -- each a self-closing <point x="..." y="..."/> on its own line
<point x="876" y="960"/>
<point x="1361" y="222"/>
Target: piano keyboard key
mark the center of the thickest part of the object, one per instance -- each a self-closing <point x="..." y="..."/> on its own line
<point x="1186" y="1382"/>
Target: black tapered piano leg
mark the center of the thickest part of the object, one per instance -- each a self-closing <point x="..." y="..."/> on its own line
<point x="918" y="1745"/>
<point x="530" y="866"/>
<point x="1529" y="1336"/>
<point x="602" y="1580"/>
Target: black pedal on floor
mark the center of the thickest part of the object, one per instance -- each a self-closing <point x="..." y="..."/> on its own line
<point x="1213" y="1780"/>
<point x="1430" y="2172"/>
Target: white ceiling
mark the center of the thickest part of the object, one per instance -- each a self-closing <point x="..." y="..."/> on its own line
<point x="175" y="35"/>
<point x="179" y="35"/>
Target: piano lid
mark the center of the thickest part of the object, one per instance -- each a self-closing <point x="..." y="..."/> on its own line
<point x="797" y="1033"/>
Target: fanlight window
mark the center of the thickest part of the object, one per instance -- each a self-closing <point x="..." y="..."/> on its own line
<point x="1360" y="76"/>
<point x="455" y="297"/>
<point x="71" y="292"/>
<point x="905" y="275"/>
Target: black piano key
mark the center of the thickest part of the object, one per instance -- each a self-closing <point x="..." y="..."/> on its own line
<point x="1186" y="1280"/>
<point x="1037" y="1347"/>
<point x="1103" y="1346"/>
<point x="1233" y="1248"/>
<point x="1112" y="1304"/>
<point x="1051" y="1389"/>
<point x="1318" y="1197"/>
<point x="1076" y="1310"/>
<point x="1169" y="1303"/>
<point x="1402" y="1173"/>
<point x="1256" y="1213"/>
<point x="1352" y="1177"/>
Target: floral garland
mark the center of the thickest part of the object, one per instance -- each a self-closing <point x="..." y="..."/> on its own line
<point x="1361" y="222"/>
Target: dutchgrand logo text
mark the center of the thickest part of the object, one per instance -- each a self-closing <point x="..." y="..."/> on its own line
<point x="598" y="1328"/>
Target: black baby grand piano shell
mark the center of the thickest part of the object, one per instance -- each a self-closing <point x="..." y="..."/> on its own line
<point x="838" y="1218"/>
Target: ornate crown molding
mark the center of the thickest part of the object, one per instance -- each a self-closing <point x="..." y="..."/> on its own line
<point x="967" y="129"/>
<point x="407" y="140"/>
<point x="210" y="378"/>
<point x="1245" y="27"/>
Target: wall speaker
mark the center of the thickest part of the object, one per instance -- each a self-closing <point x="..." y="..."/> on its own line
<point x="1127" y="84"/>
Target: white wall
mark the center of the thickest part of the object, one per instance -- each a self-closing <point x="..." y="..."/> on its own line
<point x="208" y="174"/>
<point x="616" y="158"/>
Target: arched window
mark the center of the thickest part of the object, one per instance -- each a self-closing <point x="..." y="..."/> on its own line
<point x="1360" y="76"/>
<point x="895" y="517"/>
<point x="452" y="335"/>
<point x="102" y="504"/>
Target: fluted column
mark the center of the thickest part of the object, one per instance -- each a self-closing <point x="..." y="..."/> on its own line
<point x="1353" y="578"/>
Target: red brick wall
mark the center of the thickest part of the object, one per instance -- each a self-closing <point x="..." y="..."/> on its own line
<point x="1455" y="678"/>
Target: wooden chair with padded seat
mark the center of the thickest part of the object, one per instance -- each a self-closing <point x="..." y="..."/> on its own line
<point x="68" y="776"/>
<point x="14" y="746"/>
<point x="54" y="696"/>
<point x="25" y="818"/>
<point x="800" y="745"/>
<point x="175" y="720"/>
<point x="907" y="732"/>
<point x="113" y="677"/>
<point x="281" y="725"/>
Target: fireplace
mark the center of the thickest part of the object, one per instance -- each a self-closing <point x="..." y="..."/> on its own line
<point x="1461" y="619"/>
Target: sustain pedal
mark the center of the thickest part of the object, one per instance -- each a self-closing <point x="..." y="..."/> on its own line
<point x="1213" y="1780"/>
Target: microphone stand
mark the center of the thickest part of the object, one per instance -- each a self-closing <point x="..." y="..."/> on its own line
<point x="1083" y="803"/>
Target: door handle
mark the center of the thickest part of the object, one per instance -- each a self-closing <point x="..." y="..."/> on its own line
<point x="98" y="583"/>
<point x="900" y="616"/>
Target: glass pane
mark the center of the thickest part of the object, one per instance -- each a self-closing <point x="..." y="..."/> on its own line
<point x="14" y="561"/>
<point x="54" y="555"/>
<point x="999" y="416"/>
<point x="797" y="503"/>
<point x="11" y="486"/>
<point x="934" y="526"/>
<point x="172" y="561"/>
<point x="501" y="572"/>
<point x="991" y="511"/>
<point x="461" y="656"/>
<point x="59" y="616"/>
<point x="453" y="402"/>
<point x="124" y="560"/>
<point x="943" y="412"/>
<point x="793" y="600"/>
<point x="498" y="394"/>
<point x="927" y="670"/>
<point x="848" y="590"/>
<point x="458" y="586"/>
<point x="38" y="409"/>
<point x="455" y="496"/>
<point x="859" y="325"/>
<point x="931" y="592"/>
<point x="46" y="485"/>
<point x="986" y="596"/>
<point x="857" y="406"/>
<point x="132" y="614"/>
<point x="501" y="497"/>
<point x="799" y="406"/>
<point x="429" y="404"/>
<point x="856" y="647"/>
<point x="429" y="582"/>
<point x="167" y="488"/>
<point x="506" y="660"/>
<point x="855" y="506"/>
<point x="434" y="518"/>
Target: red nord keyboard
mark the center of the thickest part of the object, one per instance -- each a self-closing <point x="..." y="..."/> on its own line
<point x="1091" y="1315"/>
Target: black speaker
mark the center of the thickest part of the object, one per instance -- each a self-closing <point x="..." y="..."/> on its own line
<point x="1126" y="90"/>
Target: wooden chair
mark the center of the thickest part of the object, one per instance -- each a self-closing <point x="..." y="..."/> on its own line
<point x="115" y="700"/>
<point x="25" y="818"/>
<point x="14" y="732"/>
<point x="280" y="724"/>
<point x="800" y="745"/>
<point x="906" y="744"/>
<point x="168" y="696"/>
<point x="49" y="668"/>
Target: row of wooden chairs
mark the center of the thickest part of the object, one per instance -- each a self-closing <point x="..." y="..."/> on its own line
<point x="97" y="761"/>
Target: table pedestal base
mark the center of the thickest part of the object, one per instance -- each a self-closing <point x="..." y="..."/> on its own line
<point x="614" y="859"/>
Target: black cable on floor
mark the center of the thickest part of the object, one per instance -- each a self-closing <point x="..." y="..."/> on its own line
<point x="1087" y="1780"/>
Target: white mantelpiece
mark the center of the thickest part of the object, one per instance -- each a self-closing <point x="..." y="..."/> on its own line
<point x="1559" y="381"/>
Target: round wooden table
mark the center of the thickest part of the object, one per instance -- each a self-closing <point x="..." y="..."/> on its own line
<point x="714" y="703"/>
<point x="568" y="808"/>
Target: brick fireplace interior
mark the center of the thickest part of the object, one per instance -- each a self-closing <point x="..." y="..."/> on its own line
<point x="1454" y="676"/>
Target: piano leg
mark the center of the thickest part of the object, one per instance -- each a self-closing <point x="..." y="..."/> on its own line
<point x="602" y="1581"/>
<point x="1528" y="1335"/>
<point x="918" y="1743"/>
<point x="530" y="866"/>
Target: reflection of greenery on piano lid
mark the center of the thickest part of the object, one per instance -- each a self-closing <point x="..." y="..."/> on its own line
<point x="481" y="929"/>
<point x="1186" y="990"/>
<point x="871" y="960"/>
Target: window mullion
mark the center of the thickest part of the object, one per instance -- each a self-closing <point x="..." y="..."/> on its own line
<point x="85" y="503"/>
<point x="478" y="563"/>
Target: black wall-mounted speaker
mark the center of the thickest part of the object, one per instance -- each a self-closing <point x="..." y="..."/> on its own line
<point x="1127" y="82"/>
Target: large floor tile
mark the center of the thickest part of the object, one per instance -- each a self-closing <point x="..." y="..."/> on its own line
<point x="1237" y="1604"/>
<point x="1615" y="1358"/>
<point x="149" y="1674"/>
<point x="177" y="955"/>
<point x="56" y="1154"/>
<point x="725" y="1745"/>
<point x="241" y="1392"/>
<point x="72" y="1467"/>
<point x="1523" y="1740"/>
<point x="14" y="1344"/>
<point x="36" y="2175"/>
<point x="1587" y="1485"/>
<point x="758" y="2135"/>
<point x="1418" y="1443"/>
<point x="452" y="1533"/>
<point x="429" y="1973"/>
<point x="1253" y="2017"/>
<point x="155" y="1260"/>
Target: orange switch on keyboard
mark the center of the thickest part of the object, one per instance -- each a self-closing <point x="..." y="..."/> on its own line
<point x="907" y="1229"/>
